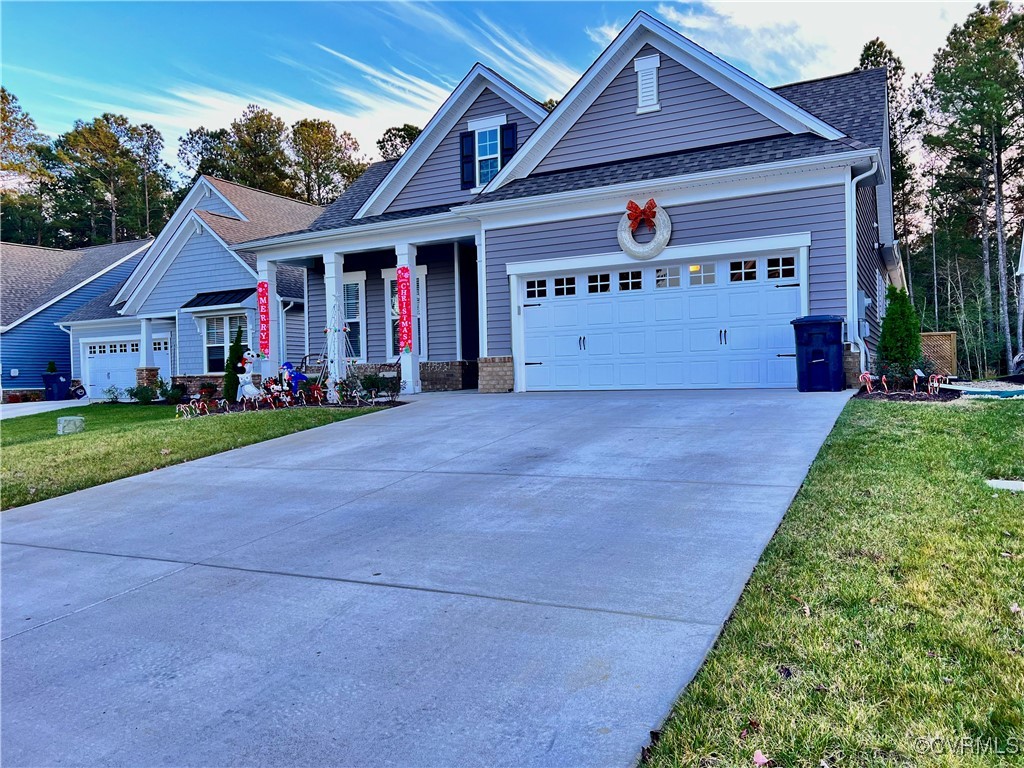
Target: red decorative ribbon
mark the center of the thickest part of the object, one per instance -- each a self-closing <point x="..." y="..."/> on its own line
<point x="638" y="215"/>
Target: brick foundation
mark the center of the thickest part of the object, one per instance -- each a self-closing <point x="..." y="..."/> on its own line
<point x="851" y="366"/>
<point x="191" y="383"/>
<point x="442" y="376"/>
<point x="496" y="374"/>
<point x="146" y="377"/>
<point x="23" y="395"/>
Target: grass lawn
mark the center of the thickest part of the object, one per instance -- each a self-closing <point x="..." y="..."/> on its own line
<point x="910" y="652"/>
<point x="124" y="440"/>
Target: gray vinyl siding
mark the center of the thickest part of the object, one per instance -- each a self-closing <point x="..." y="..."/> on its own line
<point x="822" y="212"/>
<point x="201" y="265"/>
<point x="868" y="260"/>
<point x="215" y="204"/>
<point x="438" y="180"/>
<point x="295" y="334"/>
<point x="441" y="304"/>
<point x="694" y="113"/>
<point x="316" y="312"/>
<point x="376" y="318"/>
<point x="35" y="342"/>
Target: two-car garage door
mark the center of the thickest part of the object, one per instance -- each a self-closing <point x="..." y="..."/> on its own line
<point x="719" y="323"/>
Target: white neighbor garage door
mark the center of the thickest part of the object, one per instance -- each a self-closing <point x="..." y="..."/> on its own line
<point x="708" y="324"/>
<point x="113" y="363"/>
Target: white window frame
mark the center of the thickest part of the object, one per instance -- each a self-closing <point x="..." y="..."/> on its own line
<point x="646" y="68"/>
<point x="227" y="338"/>
<point x="490" y="123"/>
<point x="357" y="278"/>
<point x="389" y="276"/>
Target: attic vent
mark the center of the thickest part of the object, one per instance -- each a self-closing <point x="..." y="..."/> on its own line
<point x="646" y="68"/>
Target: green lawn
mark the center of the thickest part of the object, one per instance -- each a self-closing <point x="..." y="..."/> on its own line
<point x="124" y="440"/>
<point x="909" y="566"/>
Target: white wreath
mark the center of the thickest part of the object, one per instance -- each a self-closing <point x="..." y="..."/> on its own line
<point x="644" y="251"/>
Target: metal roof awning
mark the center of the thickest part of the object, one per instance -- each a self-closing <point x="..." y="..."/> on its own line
<point x="218" y="298"/>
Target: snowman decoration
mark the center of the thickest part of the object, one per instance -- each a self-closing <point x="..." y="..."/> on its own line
<point x="246" y="389"/>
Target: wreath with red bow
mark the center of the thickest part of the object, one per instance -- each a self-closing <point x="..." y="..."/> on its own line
<point x="638" y="215"/>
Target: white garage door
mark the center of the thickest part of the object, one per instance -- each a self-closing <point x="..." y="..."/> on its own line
<point x="712" y="324"/>
<point x="113" y="363"/>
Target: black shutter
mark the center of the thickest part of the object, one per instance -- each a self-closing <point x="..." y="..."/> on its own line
<point x="509" y="142"/>
<point x="467" y="159"/>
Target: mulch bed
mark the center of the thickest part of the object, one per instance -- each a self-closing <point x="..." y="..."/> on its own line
<point x="901" y="396"/>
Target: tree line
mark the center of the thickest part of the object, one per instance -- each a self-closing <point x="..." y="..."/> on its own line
<point x="957" y="146"/>
<point x="105" y="180"/>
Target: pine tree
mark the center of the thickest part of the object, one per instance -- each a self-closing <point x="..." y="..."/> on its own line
<point x="899" y="345"/>
<point x="235" y="353"/>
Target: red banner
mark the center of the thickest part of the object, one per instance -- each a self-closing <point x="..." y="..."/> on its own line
<point x="263" y="311"/>
<point x="404" y="289"/>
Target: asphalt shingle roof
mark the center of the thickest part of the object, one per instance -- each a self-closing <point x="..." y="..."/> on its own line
<point x="268" y="214"/>
<point x="99" y="308"/>
<point x="853" y="102"/>
<point x="30" y="276"/>
<point x="346" y="206"/>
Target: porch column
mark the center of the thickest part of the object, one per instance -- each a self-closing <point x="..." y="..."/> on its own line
<point x="406" y="257"/>
<point x="334" y="292"/>
<point x="481" y="288"/>
<point x="146" y="343"/>
<point x="267" y="270"/>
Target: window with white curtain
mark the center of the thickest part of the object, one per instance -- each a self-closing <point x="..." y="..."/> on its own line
<point x="220" y="332"/>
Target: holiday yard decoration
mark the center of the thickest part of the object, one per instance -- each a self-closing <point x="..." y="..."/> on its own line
<point x="655" y="218"/>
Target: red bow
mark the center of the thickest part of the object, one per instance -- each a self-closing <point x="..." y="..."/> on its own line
<point x="638" y="215"/>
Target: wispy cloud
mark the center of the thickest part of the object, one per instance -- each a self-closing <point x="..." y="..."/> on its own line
<point x="603" y="34"/>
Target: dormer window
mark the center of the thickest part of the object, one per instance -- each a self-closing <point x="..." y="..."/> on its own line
<point x="646" y="68"/>
<point x="485" y="147"/>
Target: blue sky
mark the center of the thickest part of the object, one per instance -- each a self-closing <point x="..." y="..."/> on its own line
<point x="367" y="66"/>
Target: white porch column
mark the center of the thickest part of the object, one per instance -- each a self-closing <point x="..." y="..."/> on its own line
<point x="406" y="257"/>
<point x="334" y="291"/>
<point x="146" y="343"/>
<point x="481" y="288"/>
<point x="267" y="270"/>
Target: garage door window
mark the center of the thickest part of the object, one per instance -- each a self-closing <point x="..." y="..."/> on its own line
<point x="536" y="289"/>
<point x="631" y="281"/>
<point x="702" y="274"/>
<point x="220" y="332"/>
<point x="742" y="271"/>
<point x="781" y="267"/>
<point x="565" y="286"/>
<point x="668" y="277"/>
<point x="601" y="283"/>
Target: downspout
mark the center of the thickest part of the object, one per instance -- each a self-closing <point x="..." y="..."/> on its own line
<point x="852" y="316"/>
<point x="71" y="347"/>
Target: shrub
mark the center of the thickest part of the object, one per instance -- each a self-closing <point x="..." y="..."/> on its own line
<point x="169" y="392"/>
<point x="144" y="395"/>
<point x="112" y="393"/>
<point x="51" y="367"/>
<point x="375" y="385"/>
<point x="231" y="367"/>
<point x="207" y="389"/>
<point x="899" y="345"/>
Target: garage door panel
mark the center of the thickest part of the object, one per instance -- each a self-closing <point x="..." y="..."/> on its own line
<point x="744" y="303"/>
<point x="600" y="313"/>
<point x="705" y="339"/>
<point x="632" y="311"/>
<point x="780" y="302"/>
<point x="633" y="375"/>
<point x="781" y="372"/>
<point x="668" y="309"/>
<point x="744" y="338"/>
<point x="668" y="342"/>
<point x="565" y="315"/>
<point x="601" y="375"/>
<point x="745" y="372"/>
<point x="631" y="343"/>
<point x="670" y="374"/>
<point x="566" y="346"/>
<point x="703" y="306"/>
<point x="703" y="373"/>
<point x="600" y="344"/>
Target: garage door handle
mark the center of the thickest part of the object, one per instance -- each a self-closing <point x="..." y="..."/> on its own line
<point x="720" y="336"/>
<point x="727" y="336"/>
<point x="791" y="354"/>
<point x="534" y="363"/>
<point x="788" y="285"/>
<point x="579" y="342"/>
<point x="531" y="305"/>
<point x="584" y="343"/>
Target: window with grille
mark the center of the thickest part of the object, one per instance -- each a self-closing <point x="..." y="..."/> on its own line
<point x="353" y="309"/>
<point x="601" y="283"/>
<point x="781" y="267"/>
<point x="742" y="271"/>
<point x="668" y="277"/>
<point x="702" y="274"/>
<point x="220" y="332"/>
<point x="536" y="289"/>
<point x="631" y="281"/>
<point x="565" y="286"/>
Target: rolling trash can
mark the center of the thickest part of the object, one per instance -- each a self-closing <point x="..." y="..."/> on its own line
<point x="819" y="353"/>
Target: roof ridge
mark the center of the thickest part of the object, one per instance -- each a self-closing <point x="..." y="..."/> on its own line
<point x="107" y="245"/>
<point x="261" y="191"/>
<point x="828" y="77"/>
<point x="41" y="247"/>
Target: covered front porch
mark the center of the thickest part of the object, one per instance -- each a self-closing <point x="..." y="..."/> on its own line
<point x="352" y="314"/>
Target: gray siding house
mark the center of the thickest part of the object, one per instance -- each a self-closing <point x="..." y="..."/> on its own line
<point x="174" y="315"/>
<point x="768" y="204"/>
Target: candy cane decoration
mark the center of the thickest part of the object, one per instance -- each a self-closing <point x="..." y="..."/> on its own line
<point x="934" y="384"/>
<point x="915" y="383"/>
<point x="885" y="385"/>
<point x="865" y="379"/>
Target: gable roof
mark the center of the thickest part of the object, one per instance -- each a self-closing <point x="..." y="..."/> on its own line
<point x="353" y="198"/>
<point x="100" y="308"/>
<point x="33" y="278"/>
<point x="440" y="125"/>
<point x="643" y="29"/>
<point x="854" y="102"/>
<point x="266" y="214"/>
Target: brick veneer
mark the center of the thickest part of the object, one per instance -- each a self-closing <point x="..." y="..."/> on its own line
<point x="496" y="374"/>
<point x="851" y="366"/>
<point x="442" y="376"/>
<point x="146" y="377"/>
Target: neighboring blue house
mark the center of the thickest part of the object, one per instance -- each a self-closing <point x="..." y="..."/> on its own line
<point x="516" y="227"/>
<point x="177" y="312"/>
<point x="39" y="287"/>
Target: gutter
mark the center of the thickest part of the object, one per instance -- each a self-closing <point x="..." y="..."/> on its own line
<point x="852" y="317"/>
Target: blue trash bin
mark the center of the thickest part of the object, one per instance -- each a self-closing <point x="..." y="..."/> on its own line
<point x="819" y="353"/>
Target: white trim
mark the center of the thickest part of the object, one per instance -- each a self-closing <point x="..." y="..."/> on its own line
<point x="305" y="308"/>
<point x="641" y="30"/>
<point x="647" y="66"/>
<point x="440" y="125"/>
<point x="214" y="309"/>
<point x="481" y="292"/>
<point x="804" y="265"/>
<point x="356" y="278"/>
<point x="852" y="309"/>
<point x="74" y="288"/>
<point x="167" y="256"/>
<point x="487" y="123"/>
<point x="712" y="249"/>
<point x="200" y="190"/>
<point x="228" y="338"/>
<point x="456" y="252"/>
<point x="387" y="275"/>
<point x="515" y="287"/>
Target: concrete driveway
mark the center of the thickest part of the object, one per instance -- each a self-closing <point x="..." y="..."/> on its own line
<point x="467" y="580"/>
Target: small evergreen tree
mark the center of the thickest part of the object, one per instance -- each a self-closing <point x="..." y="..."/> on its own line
<point x="231" y="367"/>
<point x="899" y="345"/>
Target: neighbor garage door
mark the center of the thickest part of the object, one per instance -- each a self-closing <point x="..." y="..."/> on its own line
<point x="113" y="363"/>
<point x="709" y="324"/>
